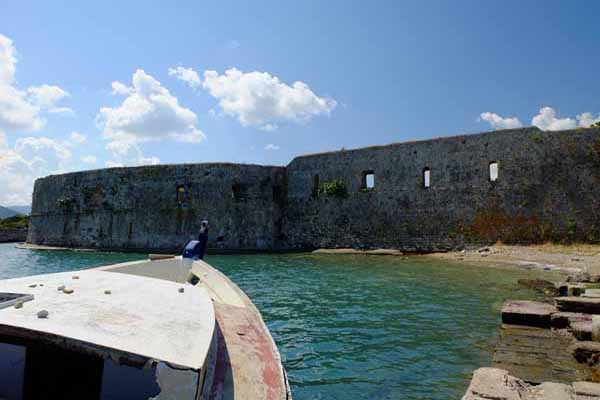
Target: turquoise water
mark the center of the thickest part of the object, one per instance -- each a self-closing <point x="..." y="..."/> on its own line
<point x="353" y="327"/>
<point x="15" y="262"/>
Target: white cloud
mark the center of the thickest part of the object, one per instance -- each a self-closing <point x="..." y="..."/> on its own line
<point x="38" y="144"/>
<point x="20" y="109"/>
<point x="149" y="112"/>
<point x="45" y="97"/>
<point x="8" y="60"/>
<point x="77" y="138"/>
<point x="498" y="122"/>
<point x="113" y="164"/>
<point x="128" y="152"/>
<point x="187" y="75"/>
<point x="16" y="113"/>
<point x="119" y="88"/>
<point x="268" y="127"/>
<point x="61" y="111"/>
<point x="28" y="159"/>
<point x="546" y="120"/>
<point x="193" y="136"/>
<point x="90" y="159"/>
<point x="586" y="119"/>
<point x="261" y="100"/>
<point x="140" y="159"/>
<point x="272" y="146"/>
<point x="149" y="161"/>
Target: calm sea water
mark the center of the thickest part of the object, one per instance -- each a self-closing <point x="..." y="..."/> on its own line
<point x="353" y="327"/>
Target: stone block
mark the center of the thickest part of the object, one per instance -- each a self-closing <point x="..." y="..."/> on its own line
<point x="563" y="319"/>
<point x="493" y="383"/>
<point x="529" y="313"/>
<point x="595" y="327"/>
<point x="588" y="389"/>
<point x="592" y="293"/>
<point x="587" y="305"/>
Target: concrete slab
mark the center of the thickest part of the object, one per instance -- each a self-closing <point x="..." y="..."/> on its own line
<point x="529" y="313"/>
<point x="587" y="305"/>
<point x="588" y="389"/>
<point x="498" y="384"/>
<point x="550" y="391"/>
<point x="592" y="293"/>
<point x="582" y="330"/>
<point x="494" y="383"/>
<point x="142" y="316"/>
<point x="564" y="319"/>
<point x="538" y="354"/>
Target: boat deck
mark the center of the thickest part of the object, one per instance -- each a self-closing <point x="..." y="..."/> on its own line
<point x="110" y="313"/>
<point x="247" y="364"/>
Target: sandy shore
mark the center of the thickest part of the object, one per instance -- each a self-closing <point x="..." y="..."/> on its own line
<point x="548" y="257"/>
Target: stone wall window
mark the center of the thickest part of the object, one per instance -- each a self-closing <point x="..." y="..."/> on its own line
<point x="180" y="194"/>
<point x="277" y="193"/>
<point x="238" y="192"/>
<point x="426" y="177"/>
<point x="493" y="171"/>
<point x="368" y="180"/>
<point x="315" y="185"/>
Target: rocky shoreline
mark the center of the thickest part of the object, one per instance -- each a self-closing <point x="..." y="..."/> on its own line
<point x="548" y="349"/>
<point x="499" y="384"/>
<point x="567" y="259"/>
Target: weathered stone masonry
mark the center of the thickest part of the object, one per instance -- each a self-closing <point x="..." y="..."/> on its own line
<point x="548" y="188"/>
<point x="159" y="207"/>
<point x="13" y="235"/>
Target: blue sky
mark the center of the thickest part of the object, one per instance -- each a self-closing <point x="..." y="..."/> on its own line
<point x="262" y="82"/>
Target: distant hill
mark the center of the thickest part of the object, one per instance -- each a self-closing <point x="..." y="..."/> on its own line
<point x="7" y="212"/>
<point x="25" y="210"/>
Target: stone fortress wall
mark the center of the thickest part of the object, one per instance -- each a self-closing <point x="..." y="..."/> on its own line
<point x="13" y="235"/>
<point x="547" y="188"/>
<point x="158" y="208"/>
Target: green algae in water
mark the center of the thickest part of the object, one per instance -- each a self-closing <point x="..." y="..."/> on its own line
<point x="353" y="327"/>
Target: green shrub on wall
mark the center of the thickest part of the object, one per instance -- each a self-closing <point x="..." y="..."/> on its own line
<point x="335" y="187"/>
